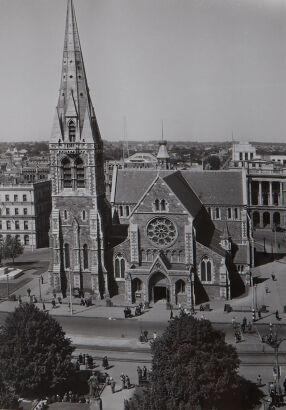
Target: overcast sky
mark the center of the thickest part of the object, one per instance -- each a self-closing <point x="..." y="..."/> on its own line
<point x="208" y="68"/>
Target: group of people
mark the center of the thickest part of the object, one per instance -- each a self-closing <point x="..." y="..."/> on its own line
<point x="125" y="381"/>
<point x="143" y="375"/>
<point x="85" y="302"/>
<point x="86" y="360"/>
<point x="138" y="310"/>
<point x="276" y="394"/>
<point x="143" y="336"/>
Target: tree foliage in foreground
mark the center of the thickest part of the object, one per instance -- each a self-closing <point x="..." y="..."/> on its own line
<point x="8" y="399"/>
<point x="193" y="368"/>
<point x="35" y="355"/>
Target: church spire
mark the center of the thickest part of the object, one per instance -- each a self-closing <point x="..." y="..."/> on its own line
<point x="74" y="103"/>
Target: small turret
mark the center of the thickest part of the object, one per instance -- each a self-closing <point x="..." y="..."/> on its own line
<point x="163" y="158"/>
<point x="226" y="239"/>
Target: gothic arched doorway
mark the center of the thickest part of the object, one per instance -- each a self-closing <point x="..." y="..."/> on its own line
<point x="159" y="287"/>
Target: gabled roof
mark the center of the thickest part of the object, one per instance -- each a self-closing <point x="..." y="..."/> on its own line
<point x="211" y="187"/>
<point x="216" y="187"/>
<point x="184" y="193"/>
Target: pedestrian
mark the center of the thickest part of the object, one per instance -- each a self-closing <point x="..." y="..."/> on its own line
<point x="233" y="321"/>
<point x="259" y="314"/>
<point x="277" y="315"/>
<point x="171" y="315"/>
<point x="105" y="362"/>
<point x="144" y="372"/>
<point x="127" y="382"/>
<point x="259" y="381"/>
<point x="139" y="372"/>
<point x="112" y="385"/>
<point x="154" y="335"/>
<point x="145" y="335"/>
<point x="244" y="323"/>
<point x="53" y="303"/>
<point x="42" y="279"/>
<point x="29" y="292"/>
<point x="284" y="385"/>
<point x="44" y="306"/>
<point x="266" y="289"/>
<point x="122" y="378"/>
<point x="59" y="300"/>
<point x="273" y="276"/>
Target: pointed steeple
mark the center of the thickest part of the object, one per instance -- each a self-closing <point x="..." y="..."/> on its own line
<point x="74" y="99"/>
<point x="163" y="157"/>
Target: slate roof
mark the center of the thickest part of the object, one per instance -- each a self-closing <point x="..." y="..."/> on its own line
<point x="131" y="184"/>
<point x="184" y="193"/>
<point x="242" y="255"/>
<point x="211" y="187"/>
<point x="216" y="187"/>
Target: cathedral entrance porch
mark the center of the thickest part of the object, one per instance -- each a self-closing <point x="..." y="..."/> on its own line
<point x="159" y="287"/>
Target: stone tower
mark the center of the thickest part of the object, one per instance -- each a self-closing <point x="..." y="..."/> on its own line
<point x="80" y="212"/>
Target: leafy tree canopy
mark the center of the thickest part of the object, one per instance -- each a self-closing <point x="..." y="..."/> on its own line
<point x="212" y="162"/>
<point x="193" y="368"/>
<point x="35" y="355"/>
<point x="11" y="247"/>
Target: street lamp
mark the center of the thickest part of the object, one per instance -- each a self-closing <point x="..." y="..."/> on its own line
<point x="40" y="292"/>
<point x="272" y="340"/>
<point x="7" y="276"/>
<point x="70" y="286"/>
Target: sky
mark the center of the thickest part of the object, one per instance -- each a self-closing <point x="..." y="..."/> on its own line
<point x="209" y="69"/>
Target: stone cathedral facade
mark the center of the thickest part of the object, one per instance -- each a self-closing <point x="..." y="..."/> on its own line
<point x="180" y="236"/>
<point x="80" y="212"/>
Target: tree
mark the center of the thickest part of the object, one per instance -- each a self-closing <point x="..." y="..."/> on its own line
<point x="8" y="399"/>
<point x="12" y="247"/>
<point x="35" y="355"/>
<point x="212" y="162"/>
<point x="193" y="368"/>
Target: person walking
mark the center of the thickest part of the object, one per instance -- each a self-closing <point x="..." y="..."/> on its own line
<point x="127" y="382"/>
<point x="259" y="381"/>
<point x="122" y="378"/>
<point x="105" y="362"/>
<point x="145" y="333"/>
<point x="139" y="372"/>
<point x="144" y="372"/>
<point x="29" y="292"/>
<point x="171" y="315"/>
<point x="112" y="385"/>
<point x="277" y="315"/>
<point x="154" y="335"/>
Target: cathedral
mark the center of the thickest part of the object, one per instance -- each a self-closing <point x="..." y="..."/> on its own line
<point x="181" y="236"/>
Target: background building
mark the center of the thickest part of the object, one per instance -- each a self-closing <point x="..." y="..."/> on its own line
<point x="25" y="211"/>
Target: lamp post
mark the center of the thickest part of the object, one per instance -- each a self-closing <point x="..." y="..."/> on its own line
<point x="40" y="291"/>
<point x="7" y="277"/>
<point x="70" y="286"/>
<point x="272" y="340"/>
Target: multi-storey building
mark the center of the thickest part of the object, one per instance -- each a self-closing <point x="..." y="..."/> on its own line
<point x="24" y="213"/>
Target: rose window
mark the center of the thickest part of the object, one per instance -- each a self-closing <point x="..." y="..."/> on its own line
<point x="161" y="231"/>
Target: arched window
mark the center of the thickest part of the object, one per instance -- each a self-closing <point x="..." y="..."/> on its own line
<point x="119" y="266"/>
<point x="79" y="167"/>
<point x="137" y="285"/>
<point x="67" y="255"/>
<point x="85" y="257"/>
<point x="122" y="268"/>
<point x="83" y="215"/>
<point x="180" y="286"/>
<point x="163" y="205"/>
<point x="65" y="214"/>
<point x="149" y="255"/>
<point x="71" y="127"/>
<point x="206" y="270"/>
<point x="67" y="173"/>
<point x="181" y="256"/>
<point x="157" y="205"/>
